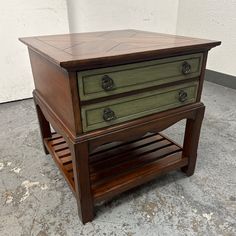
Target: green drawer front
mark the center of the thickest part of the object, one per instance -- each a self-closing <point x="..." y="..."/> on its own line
<point x="137" y="106"/>
<point x="137" y="75"/>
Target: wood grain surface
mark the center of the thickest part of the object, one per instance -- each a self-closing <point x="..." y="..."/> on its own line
<point x="97" y="49"/>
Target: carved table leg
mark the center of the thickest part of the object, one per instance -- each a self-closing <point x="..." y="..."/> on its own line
<point x="191" y="139"/>
<point x="80" y="159"/>
<point x="44" y="125"/>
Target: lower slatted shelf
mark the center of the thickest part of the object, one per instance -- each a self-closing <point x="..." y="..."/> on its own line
<point x="117" y="167"/>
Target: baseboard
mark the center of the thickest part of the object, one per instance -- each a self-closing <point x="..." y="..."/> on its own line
<point x="221" y="79"/>
<point x="18" y="100"/>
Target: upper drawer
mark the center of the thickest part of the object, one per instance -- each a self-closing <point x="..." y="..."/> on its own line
<point x="119" y="79"/>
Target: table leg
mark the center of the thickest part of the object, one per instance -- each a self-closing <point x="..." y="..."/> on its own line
<point x="80" y="160"/>
<point x="44" y="126"/>
<point x="191" y="140"/>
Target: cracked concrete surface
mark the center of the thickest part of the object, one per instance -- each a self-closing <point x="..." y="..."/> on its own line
<point x="35" y="200"/>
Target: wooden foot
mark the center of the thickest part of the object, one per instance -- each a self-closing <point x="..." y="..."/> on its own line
<point x="44" y="126"/>
<point x="80" y="161"/>
<point x="191" y="140"/>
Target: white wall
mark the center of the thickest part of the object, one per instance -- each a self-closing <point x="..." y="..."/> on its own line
<point x="152" y="15"/>
<point x="20" y="18"/>
<point x="213" y="19"/>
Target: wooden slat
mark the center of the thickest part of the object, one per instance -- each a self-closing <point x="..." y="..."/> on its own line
<point x="60" y="147"/>
<point x="56" y="141"/>
<point x="66" y="159"/>
<point x="63" y="153"/>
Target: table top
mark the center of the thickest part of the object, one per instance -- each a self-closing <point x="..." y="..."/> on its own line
<point x="100" y="48"/>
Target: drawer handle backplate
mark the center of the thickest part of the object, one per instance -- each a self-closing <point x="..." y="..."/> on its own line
<point x="107" y="83"/>
<point x="108" y="114"/>
<point x="183" y="96"/>
<point x="186" y="68"/>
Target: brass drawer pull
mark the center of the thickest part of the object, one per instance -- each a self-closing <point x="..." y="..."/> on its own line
<point x="183" y="96"/>
<point x="108" y="114"/>
<point x="107" y="83"/>
<point x="186" y="68"/>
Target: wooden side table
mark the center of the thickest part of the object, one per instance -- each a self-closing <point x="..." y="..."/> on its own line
<point x="107" y="95"/>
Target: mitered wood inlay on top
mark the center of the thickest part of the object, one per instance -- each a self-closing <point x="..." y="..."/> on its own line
<point x="72" y="50"/>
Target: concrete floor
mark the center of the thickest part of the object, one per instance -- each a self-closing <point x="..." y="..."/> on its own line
<point x="35" y="200"/>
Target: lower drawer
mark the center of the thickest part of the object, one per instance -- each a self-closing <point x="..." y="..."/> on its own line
<point x="115" y="111"/>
